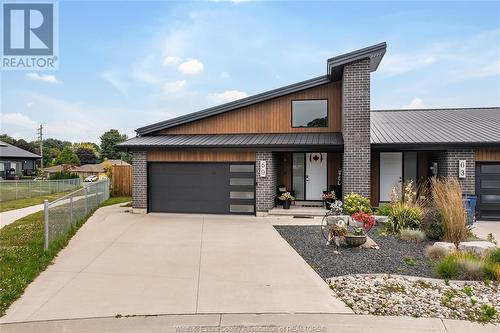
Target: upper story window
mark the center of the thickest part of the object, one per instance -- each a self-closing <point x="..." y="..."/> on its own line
<point x="310" y="113"/>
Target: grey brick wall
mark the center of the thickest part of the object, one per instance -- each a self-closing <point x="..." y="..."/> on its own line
<point x="356" y="128"/>
<point x="448" y="167"/>
<point x="139" y="180"/>
<point x="265" y="190"/>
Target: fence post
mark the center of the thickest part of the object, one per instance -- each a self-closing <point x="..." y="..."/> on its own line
<point x="71" y="210"/>
<point x="46" y="224"/>
<point x="16" y="188"/>
<point x="86" y="201"/>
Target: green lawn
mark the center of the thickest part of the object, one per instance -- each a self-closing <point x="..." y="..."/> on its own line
<point x="22" y="256"/>
<point x="21" y="203"/>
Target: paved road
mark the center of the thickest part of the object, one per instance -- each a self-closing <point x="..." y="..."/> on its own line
<point x="248" y="323"/>
<point x="12" y="215"/>
<point x="130" y="264"/>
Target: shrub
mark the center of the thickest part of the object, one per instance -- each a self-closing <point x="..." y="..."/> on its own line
<point x="494" y="256"/>
<point x="404" y="216"/>
<point x="63" y="175"/>
<point x="384" y="210"/>
<point x="448" y="268"/>
<point x="435" y="253"/>
<point x="447" y="195"/>
<point x="354" y="203"/>
<point x="467" y="266"/>
<point x="412" y="236"/>
<point x="432" y="224"/>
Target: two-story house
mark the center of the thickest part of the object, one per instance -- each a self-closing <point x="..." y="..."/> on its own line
<point x="308" y="137"/>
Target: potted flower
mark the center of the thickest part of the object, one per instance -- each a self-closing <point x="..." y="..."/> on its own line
<point x="356" y="238"/>
<point x="287" y="199"/>
<point x="363" y="222"/>
<point x="328" y="198"/>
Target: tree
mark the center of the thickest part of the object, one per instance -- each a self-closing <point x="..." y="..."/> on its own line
<point x="23" y="144"/>
<point x="86" y="155"/>
<point x="7" y="139"/>
<point x="67" y="156"/>
<point x="109" y="140"/>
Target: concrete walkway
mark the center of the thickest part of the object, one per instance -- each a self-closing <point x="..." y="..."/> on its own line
<point x="262" y="323"/>
<point x="12" y="215"/>
<point x="130" y="264"/>
<point x="483" y="228"/>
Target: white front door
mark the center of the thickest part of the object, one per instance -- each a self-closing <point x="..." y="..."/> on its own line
<point x="391" y="169"/>
<point x="316" y="175"/>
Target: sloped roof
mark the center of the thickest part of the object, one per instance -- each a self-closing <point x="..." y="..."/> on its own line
<point x="334" y="72"/>
<point x="436" y="126"/>
<point x="8" y="150"/>
<point x="290" y="140"/>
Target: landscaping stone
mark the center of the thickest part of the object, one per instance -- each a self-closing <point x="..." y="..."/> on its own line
<point x="406" y="296"/>
<point x="448" y="247"/>
<point x="381" y="219"/>
<point x="478" y="247"/>
<point x="395" y="256"/>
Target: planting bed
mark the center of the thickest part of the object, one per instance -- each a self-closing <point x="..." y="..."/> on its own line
<point x="395" y="256"/>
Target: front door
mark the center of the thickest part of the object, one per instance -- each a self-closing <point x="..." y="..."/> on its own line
<point x="316" y="169"/>
<point x="391" y="169"/>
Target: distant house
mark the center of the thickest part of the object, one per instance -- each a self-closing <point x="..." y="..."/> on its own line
<point x="16" y="162"/>
<point x="85" y="170"/>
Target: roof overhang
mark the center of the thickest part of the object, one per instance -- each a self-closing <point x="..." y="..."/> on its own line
<point x="335" y="65"/>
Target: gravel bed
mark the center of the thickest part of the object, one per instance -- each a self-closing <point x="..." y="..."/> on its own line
<point x="402" y="296"/>
<point x="395" y="256"/>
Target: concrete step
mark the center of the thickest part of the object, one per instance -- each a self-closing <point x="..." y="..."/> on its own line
<point x="298" y="211"/>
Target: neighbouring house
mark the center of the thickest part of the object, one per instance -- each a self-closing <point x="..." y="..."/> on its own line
<point x="16" y="162"/>
<point x="85" y="170"/>
<point x="308" y="137"/>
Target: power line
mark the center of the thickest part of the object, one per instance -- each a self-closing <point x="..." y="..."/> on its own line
<point x="40" y="138"/>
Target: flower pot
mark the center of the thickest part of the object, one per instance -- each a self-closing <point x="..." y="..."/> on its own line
<point x="353" y="240"/>
<point x="286" y="204"/>
<point x="328" y="205"/>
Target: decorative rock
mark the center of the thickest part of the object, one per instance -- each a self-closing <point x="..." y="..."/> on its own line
<point x="478" y="247"/>
<point x="333" y="219"/>
<point x="370" y="244"/>
<point x="448" y="247"/>
<point x="381" y="219"/>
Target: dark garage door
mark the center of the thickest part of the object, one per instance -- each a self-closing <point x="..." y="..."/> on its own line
<point x="216" y="188"/>
<point x="488" y="190"/>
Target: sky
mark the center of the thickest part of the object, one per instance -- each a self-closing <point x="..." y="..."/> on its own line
<point x="126" y="64"/>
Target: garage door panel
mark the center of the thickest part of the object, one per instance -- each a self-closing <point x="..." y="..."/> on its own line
<point x="488" y="190"/>
<point x="201" y="188"/>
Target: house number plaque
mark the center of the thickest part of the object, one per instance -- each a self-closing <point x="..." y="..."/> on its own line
<point x="263" y="169"/>
<point x="462" y="165"/>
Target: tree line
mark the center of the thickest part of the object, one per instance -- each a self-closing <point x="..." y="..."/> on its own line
<point x="56" y="152"/>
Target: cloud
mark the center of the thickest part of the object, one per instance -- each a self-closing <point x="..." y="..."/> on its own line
<point x="225" y="75"/>
<point x="174" y="86"/>
<point x="191" y="66"/>
<point x="41" y="77"/>
<point x="113" y="78"/>
<point x="170" y="60"/>
<point x="402" y="63"/>
<point x="227" y="96"/>
<point x="416" y="103"/>
<point x="18" y="119"/>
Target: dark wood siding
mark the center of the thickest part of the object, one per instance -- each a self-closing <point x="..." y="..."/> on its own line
<point x="273" y="116"/>
<point x="488" y="155"/>
<point x="200" y="156"/>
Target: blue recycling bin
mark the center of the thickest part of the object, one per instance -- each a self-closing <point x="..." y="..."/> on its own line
<point x="470" y="207"/>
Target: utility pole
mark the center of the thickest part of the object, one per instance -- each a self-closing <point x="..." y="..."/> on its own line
<point x="40" y="138"/>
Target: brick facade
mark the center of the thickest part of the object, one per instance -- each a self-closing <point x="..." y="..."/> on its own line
<point x="448" y="167"/>
<point x="139" y="180"/>
<point x="265" y="189"/>
<point x="356" y="128"/>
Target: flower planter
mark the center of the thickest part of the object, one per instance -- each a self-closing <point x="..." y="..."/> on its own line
<point x="328" y="205"/>
<point x="286" y="204"/>
<point x="353" y="240"/>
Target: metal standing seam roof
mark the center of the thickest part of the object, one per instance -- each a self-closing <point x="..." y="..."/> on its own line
<point x="235" y="140"/>
<point x="8" y="150"/>
<point x="436" y="126"/>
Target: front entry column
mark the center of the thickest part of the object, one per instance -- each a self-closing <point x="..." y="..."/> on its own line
<point x="266" y="174"/>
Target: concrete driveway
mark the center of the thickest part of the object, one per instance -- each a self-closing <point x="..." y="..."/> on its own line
<point x="129" y="264"/>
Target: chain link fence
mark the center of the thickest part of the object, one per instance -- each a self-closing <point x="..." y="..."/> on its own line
<point x="21" y="189"/>
<point x="64" y="213"/>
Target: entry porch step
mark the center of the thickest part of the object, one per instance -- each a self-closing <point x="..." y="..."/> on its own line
<point x="298" y="211"/>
